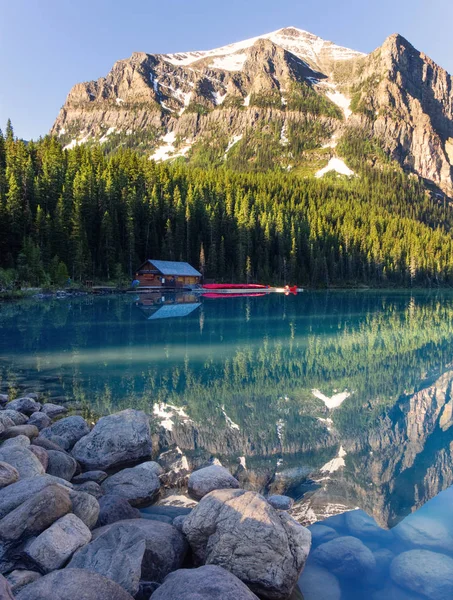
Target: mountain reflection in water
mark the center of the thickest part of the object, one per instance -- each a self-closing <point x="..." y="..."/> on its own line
<point x="341" y="400"/>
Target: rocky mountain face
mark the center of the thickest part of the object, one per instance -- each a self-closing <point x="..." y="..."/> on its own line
<point x="283" y="99"/>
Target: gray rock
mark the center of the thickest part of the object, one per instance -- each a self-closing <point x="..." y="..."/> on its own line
<point x="165" y="549"/>
<point x="97" y="476"/>
<point x="176" y="467"/>
<point x="19" y="578"/>
<point x="345" y="556"/>
<point x="26" y="406"/>
<point x="21" y="440"/>
<point x="40" y="420"/>
<point x="211" y="478"/>
<point x="5" y="589"/>
<point x="3" y="398"/>
<point x="53" y="410"/>
<point x="6" y="421"/>
<point x="40" y="454"/>
<point x="116" y="439"/>
<point x="280" y="502"/>
<point x="47" y="444"/>
<point x="321" y="533"/>
<point x="17" y="493"/>
<point x="73" y="584"/>
<point x="116" y="554"/>
<point x="35" y="514"/>
<point x="205" y="583"/>
<point x="29" y="431"/>
<point x="139" y="485"/>
<point x="114" y="508"/>
<point x="8" y="474"/>
<point x="240" y="531"/>
<point x="90" y="487"/>
<point x="26" y="463"/>
<point x="85" y="506"/>
<point x="424" y="532"/>
<point x="61" y="465"/>
<point x="52" y="548"/>
<point x="316" y="583"/>
<point x="8" y="415"/>
<point x="178" y="522"/>
<point x="146" y="589"/>
<point x="423" y="572"/>
<point x="363" y="526"/>
<point x="67" y="431"/>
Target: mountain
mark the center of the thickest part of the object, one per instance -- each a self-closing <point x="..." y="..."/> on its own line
<point x="288" y="99"/>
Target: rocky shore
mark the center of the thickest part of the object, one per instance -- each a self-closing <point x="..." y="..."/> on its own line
<point x="71" y="525"/>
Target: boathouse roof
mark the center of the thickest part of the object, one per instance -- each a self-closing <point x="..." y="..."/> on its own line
<point x="172" y="267"/>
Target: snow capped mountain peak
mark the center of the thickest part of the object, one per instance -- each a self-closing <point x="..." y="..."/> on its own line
<point x="303" y="44"/>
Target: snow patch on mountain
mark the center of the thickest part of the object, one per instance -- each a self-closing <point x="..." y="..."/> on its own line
<point x="335" y="164"/>
<point x="334" y="401"/>
<point x="235" y="62"/>
<point x="336" y="463"/>
<point x="302" y="44"/>
<point x="168" y="151"/>
<point x="232" y="142"/>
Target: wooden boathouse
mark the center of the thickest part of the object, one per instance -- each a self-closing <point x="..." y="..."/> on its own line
<point x="166" y="274"/>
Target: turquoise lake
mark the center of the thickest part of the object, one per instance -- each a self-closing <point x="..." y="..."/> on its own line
<point x="341" y="400"/>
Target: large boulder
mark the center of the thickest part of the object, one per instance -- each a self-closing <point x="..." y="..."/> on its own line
<point x="423" y="572"/>
<point x="40" y="454"/>
<point x="210" y="478"/>
<point x="73" y="584"/>
<point x="116" y="439"/>
<point x="85" y="506"/>
<point x="67" y="431"/>
<point x="8" y="474"/>
<point x="29" y="431"/>
<point x="116" y="554"/>
<point x="26" y="406"/>
<point x="345" y="556"/>
<point x="165" y="547"/>
<point x="17" y="493"/>
<point x="19" y="440"/>
<point x="53" y="410"/>
<point x="138" y="485"/>
<point x="176" y="467"/>
<point x="35" y="514"/>
<point x="115" y="508"/>
<point x="205" y="583"/>
<point x="425" y="532"/>
<point x="241" y="532"/>
<point x="61" y="465"/>
<point x="52" y="548"/>
<point x="24" y="461"/>
<point x="40" y="420"/>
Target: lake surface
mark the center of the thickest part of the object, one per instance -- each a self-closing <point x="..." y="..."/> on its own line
<point x="339" y="399"/>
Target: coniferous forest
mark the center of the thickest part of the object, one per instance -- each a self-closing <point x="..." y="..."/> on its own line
<point x="87" y="215"/>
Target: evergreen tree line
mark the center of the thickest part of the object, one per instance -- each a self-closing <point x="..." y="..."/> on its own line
<point x="82" y="214"/>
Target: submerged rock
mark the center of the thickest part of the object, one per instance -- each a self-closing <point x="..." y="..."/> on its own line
<point x="205" y="583"/>
<point x="165" y="548"/>
<point x="240" y="531"/>
<point x="139" y="485"/>
<point x="117" y="439"/>
<point x="321" y="533"/>
<point x="52" y="548"/>
<point x="425" y="532"/>
<point x="345" y="556"/>
<point x="316" y="583"/>
<point x="210" y="478"/>
<point x="70" y="584"/>
<point x="423" y="572"/>
<point x="116" y="554"/>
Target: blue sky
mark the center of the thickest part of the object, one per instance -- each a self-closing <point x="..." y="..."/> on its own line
<point x="46" y="46"/>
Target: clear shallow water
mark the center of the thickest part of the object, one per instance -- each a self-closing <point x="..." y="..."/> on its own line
<point x="341" y="400"/>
